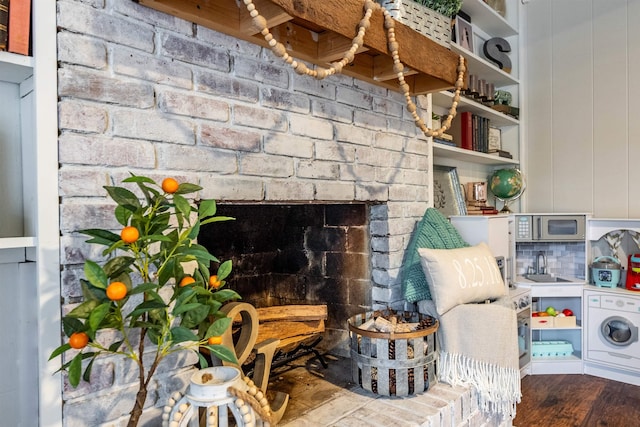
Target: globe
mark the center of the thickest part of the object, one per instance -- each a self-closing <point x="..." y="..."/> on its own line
<point x="507" y="185"/>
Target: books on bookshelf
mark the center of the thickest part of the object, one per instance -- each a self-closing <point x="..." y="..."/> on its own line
<point x="4" y="23"/>
<point x="471" y="131"/>
<point x="19" y="26"/>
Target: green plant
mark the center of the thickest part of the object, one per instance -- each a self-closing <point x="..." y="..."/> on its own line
<point x="445" y="7"/>
<point x="138" y="290"/>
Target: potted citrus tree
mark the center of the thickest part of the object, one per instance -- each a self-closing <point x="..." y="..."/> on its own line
<point x="145" y="291"/>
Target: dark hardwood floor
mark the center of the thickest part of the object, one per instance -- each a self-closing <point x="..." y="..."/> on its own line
<point x="577" y="401"/>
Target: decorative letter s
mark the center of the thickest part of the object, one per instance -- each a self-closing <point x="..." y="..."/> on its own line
<point x="494" y="49"/>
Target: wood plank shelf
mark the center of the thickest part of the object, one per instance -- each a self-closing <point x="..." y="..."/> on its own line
<point x="320" y="31"/>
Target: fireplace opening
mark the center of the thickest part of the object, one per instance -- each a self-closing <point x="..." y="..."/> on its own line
<point x="288" y="254"/>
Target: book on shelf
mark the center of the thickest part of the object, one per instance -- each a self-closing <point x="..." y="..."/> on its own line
<point x="19" y="28"/>
<point x="444" y="142"/>
<point x="501" y="153"/>
<point x="462" y="130"/>
<point x="4" y="23"/>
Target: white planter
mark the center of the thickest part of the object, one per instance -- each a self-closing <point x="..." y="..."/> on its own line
<point x="211" y="384"/>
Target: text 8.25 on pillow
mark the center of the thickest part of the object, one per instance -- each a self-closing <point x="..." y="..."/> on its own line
<point x="460" y="276"/>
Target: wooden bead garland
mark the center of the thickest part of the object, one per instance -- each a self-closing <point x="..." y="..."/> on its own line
<point x="320" y="73"/>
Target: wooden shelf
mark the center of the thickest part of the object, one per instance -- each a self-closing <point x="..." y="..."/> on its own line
<point x="321" y="31"/>
<point x="460" y="154"/>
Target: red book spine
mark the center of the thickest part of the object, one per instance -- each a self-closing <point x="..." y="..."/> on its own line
<point x="19" y="26"/>
<point x="466" y="131"/>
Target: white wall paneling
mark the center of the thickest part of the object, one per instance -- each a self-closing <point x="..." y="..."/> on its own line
<point x="581" y="97"/>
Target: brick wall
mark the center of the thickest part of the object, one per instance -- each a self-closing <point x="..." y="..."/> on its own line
<point x="145" y="92"/>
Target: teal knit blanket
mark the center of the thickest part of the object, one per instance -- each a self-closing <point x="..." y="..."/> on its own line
<point x="434" y="231"/>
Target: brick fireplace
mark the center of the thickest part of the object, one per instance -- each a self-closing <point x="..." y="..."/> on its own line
<point x="149" y="93"/>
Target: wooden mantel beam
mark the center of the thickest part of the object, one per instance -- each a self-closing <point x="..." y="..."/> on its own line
<point x="311" y="22"/>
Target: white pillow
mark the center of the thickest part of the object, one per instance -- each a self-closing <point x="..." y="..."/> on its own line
<point x="460" y="276"/>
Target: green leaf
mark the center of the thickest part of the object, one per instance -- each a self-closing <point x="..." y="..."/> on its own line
<point x="207" y="208"/>
<point x="224" y="295"/>
<point x="122" y="215"/>
<point x="97" y="315"/>
<point x="199" y="252"/>
<point x="203" y="361"/>
<point x="192" y="318"/>
<point x="75" y="370"/>
<point x="117" y="245"/>
<point x="58" y="351"/>
<point x="83" y="310"/>
<point x="118" y="265"/>
<point x="139" y="179"/>
<point x="194" y="231"/>
<point x="154" y="335"/>
<point x="124" y="198"/>
<point x="182" y="205"/>
<point x="115" y="346"/>
<point x="145" y="307"/>
<point x="101" y="237"/>
<point x="181" y="308"/>
<point x="186" y="188"/>
<point x="217" y="219"/>
<point x="150" y="286"/>
<point x="95" y="274"/>
<point x="91" y="293"/>
<point x="159" y="238"/>
<point x="182" y="334"/>
<point x="166" y="272"/>
<point x="87" y="371"/>
<point x="71" y="325"/>
<point x="222" y="352"/>
<point x="224" y="270"/>
<point x="218" y="327"/>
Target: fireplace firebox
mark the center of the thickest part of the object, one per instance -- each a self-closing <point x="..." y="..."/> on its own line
<point x="306" y="253"/>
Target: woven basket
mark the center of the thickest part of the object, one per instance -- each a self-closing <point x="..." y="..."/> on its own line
<point x="426" y="21"/>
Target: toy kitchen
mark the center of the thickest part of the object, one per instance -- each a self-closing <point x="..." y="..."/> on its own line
<point x="573" y="281"/>
<point x="581" y="272"/>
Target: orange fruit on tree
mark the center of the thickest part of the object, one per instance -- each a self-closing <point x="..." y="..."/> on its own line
<point x="116" y="291"/>
<point x="78" y="340"/>
<point x="129" y="234"/>
<point x="187" y="280"/>
<point x="214" y="340"/>
<point x="214" y="282"/>
<point x="170" y="185"/>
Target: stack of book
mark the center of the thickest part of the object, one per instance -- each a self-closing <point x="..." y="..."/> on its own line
<point x="476" y="199"/>
<point x="445" y="139"/>
<point x="15" y="26"/>
<point x="480" y="208"/>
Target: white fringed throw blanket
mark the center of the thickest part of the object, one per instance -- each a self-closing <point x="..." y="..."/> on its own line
<point x="479" y="348"/>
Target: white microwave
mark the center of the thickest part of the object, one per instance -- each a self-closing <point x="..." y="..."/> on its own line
<point x="550" y="228"/>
